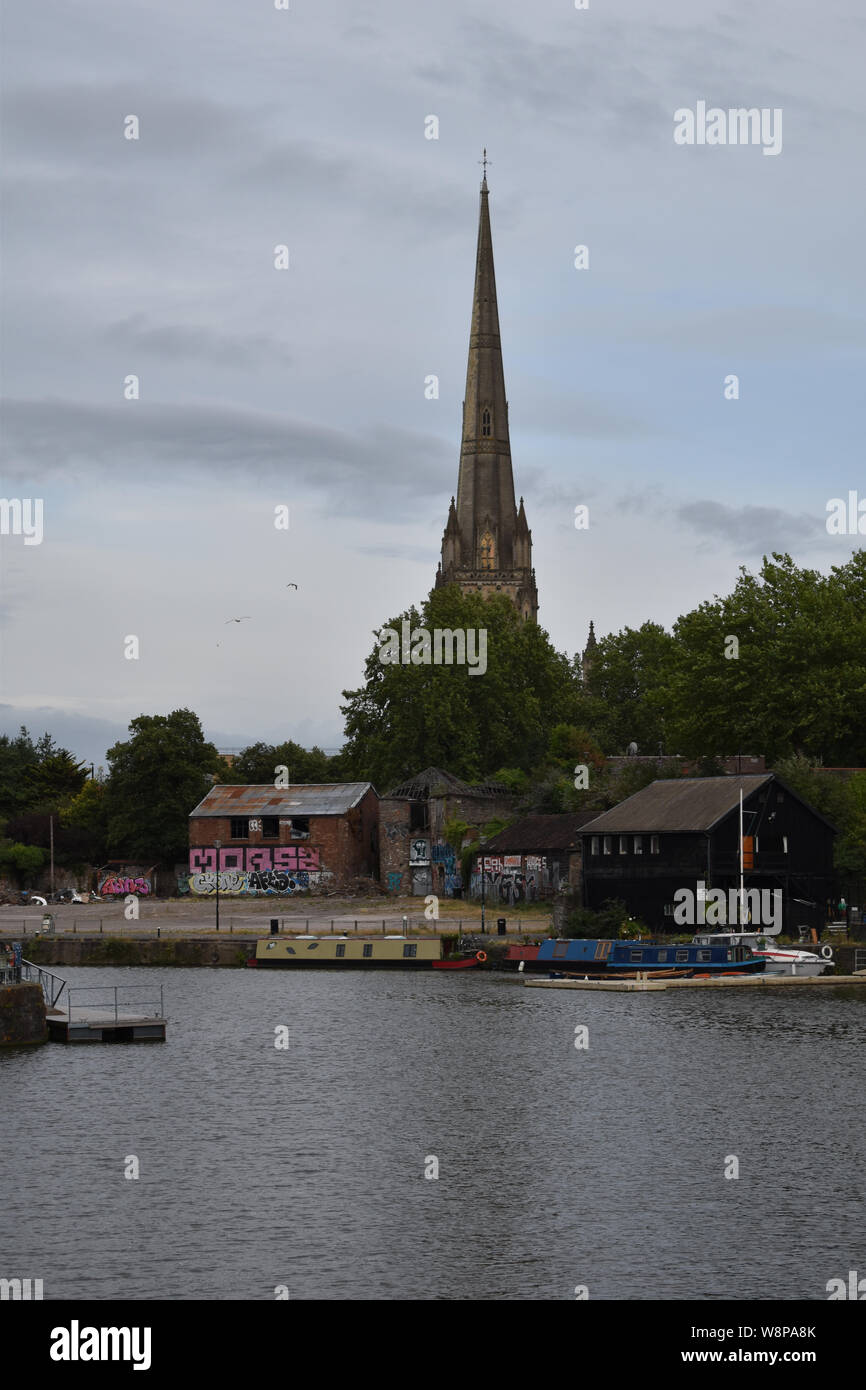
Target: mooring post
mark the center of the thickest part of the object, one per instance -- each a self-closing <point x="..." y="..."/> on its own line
<point x="100" y="924"/>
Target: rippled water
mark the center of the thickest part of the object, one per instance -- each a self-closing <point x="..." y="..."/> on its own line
<point x="557" y="1167"/>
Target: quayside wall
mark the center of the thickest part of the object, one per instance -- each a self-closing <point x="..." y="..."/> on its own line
<point x="22" y="1015"/>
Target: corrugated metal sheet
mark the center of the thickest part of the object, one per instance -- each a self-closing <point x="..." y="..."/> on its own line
<point x="535" y="834"/>
<point x="300" y="799"/>
<point x="676" y="804"/>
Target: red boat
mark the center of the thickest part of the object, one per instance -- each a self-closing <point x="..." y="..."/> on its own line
<point x="465" y="963"/>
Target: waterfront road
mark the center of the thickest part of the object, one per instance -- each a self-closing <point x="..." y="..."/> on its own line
<point x="183" y="917"/>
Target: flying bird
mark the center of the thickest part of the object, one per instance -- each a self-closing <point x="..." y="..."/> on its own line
<point x="237" y="620"/>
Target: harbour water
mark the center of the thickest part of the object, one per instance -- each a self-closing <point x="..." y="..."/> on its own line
<point x="304" y="1166"/>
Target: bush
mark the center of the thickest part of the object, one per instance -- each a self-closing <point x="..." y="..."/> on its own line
<point x="611" y="920"/>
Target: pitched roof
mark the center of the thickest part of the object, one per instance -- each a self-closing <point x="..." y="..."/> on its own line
<point x="677" y="804"/>
<point x="434" y="781"/>
<point x="300" y="799"/>
<point x="538" y="833"/>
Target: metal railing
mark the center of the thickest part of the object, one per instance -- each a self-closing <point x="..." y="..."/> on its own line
<point x="120" y="1008"/>
<point x="52" y="985"/>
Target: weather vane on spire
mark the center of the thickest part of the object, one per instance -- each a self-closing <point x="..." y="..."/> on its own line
<point x="485" y="161"/>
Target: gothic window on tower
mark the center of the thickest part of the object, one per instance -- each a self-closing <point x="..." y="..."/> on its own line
<point x="485" y="423"/>
<point x="488" y="557"/>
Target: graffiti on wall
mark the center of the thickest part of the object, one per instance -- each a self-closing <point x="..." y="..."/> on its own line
<point x="249" y="870"/>
<point x="419" y="851"/>
<point x="289" y="859"/>
<point x="508" y="879"/>
<point x="118" y="885"/>
<point x="239" y="882"/>
<point x="394" y="881"/>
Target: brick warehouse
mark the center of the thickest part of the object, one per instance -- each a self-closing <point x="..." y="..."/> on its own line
<point x="284" y="840"/>
<point x="415" y="856"/>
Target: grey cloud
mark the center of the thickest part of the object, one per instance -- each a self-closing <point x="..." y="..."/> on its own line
<point x="195" y="342"/>
<point x="364" y="469"/>
<point x="756" y="528"/>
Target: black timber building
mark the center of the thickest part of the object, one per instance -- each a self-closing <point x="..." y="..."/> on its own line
<point x="679" y="832"/>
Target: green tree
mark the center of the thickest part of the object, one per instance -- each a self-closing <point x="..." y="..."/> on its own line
<point x="627" y="683"/>
<point x="156" y="780"/>
<point x="796" y="680"/>
<point x="17" y="758"/>
<point x="88" y="814"/>
<point x="258" y="763"/>
<point x="407" y="717"/>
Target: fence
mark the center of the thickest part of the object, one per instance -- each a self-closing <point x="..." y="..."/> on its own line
<point x="109" y="1002"/>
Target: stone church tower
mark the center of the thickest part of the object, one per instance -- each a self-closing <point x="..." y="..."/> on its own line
<point x="487" y="545"/>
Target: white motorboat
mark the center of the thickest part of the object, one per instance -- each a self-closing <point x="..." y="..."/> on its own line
<point x="780" y="960"/>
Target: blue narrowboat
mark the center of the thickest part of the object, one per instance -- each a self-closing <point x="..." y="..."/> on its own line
<point x="593" y="957"/>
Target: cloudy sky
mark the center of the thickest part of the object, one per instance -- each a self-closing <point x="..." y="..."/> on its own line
<point x="305" y="387"/>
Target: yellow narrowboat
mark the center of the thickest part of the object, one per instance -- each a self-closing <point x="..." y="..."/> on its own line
<point x="389" y="952"/>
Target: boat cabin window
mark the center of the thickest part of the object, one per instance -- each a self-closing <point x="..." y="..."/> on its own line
<point x="662" y="955"/>
<point x="682" y="955"/>
<point x="623" y="844"/>
<point x="705" y="955"/>
<point x="313" y="946"/>
<point x="608" y="844"/>
<point x="560" y="949"/>
<point x="730" y="955"/>
<point x="341" y="950"/>
<point x="638" y="844"/>
<point x="636" y="955"/>
<point x="410" y="950"/>
<point x="654" y="844"/>
<point x="594" y="845"/>
<point x="368" y="948"/>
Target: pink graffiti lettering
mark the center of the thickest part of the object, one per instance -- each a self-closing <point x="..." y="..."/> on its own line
<point x="114" y="886"/>
<point x="290" y="859"/>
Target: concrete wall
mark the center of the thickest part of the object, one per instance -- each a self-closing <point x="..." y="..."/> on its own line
<point x="22" y="1015"/>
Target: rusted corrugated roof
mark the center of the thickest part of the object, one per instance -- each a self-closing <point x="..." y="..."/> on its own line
<point x="677" y="804"/>
<point x="300" y="799"/>
<point x="533" y="834"/>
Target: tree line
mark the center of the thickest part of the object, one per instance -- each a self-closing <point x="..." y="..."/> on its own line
<point x="776" y="667"/>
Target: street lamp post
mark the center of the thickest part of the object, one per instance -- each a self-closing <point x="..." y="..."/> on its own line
<point x="217" y="844"/>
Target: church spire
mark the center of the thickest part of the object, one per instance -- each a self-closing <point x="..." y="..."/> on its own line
<point x="489" y="543"/>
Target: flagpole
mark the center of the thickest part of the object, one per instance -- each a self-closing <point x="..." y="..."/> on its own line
<point x="742" y="890"/>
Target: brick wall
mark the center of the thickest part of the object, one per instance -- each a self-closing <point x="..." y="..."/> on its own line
<point x="346" y="846"/>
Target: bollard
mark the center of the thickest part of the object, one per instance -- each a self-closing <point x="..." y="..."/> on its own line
<point x="158" y="931"/>
<point x="332" y="926"/>
<point x="75" y="926"/>
<point x="100" y="925"/>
